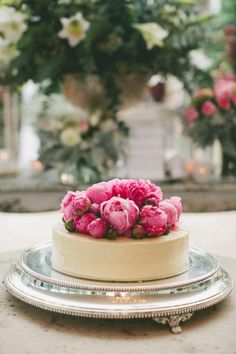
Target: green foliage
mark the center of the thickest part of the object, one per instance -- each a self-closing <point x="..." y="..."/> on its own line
<point x="111" y="46"/>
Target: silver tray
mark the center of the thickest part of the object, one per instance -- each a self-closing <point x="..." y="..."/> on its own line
<point x="171" y="300"/>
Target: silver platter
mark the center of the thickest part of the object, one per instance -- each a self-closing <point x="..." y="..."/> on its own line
<point x="171" y="300"/>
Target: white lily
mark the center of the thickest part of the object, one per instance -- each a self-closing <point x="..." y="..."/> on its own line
<point x="152" y="33"/>
<point x="199" y="59"/>
<point x="74" y="28"/>
<point x="12" y="24"/>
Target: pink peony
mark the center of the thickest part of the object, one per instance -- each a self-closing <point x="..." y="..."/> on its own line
<point x="100" y="192"/>
<point x="94" y="208"/>
<point x="208" y="108"/>
<point x="137" y="190"/>
<point x="82" y="223"/>
<point x="171" y="212"/>
<point x="67" y="206"/>
<point x="176" y="201"/>
<point x="191" y="114"/>
<point x="120" y="213"/>
<point x="154" y="220"/>
<point x="97" y="228"/>
<point x="81" y="203"/>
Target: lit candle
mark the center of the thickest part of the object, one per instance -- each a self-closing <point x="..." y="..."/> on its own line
<point x="4" y="155"/>
<point x="202" y="172"/>
<point x="67" y="178"/>
<point x="37" y="167"/>
<point x="189" y="167"/>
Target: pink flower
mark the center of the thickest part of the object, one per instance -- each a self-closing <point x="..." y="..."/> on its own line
<point x="204" y="93"/>
<point x="82" y="223"/>
<point x="171" y="212"/>
<point x="84" y="125"/>
<point x="224" y="91"/>
<point x="67" y="206"/>
<point x="234" y="99"/>
<point x="154" y="220"/>
<point x="191" y="114"/>
<point x="120" y="213"/>
<point x="176" y="201"/>
<point x="224" y="88"/>
<point x="137" y="190"/>
<point x="100" y="192"/>
<point x="97" y="228"/>
<point x="95" y="208"/>
<point x="223" y="103"/>
<point x="208" y="108"/>
<point x="81" y="203"/>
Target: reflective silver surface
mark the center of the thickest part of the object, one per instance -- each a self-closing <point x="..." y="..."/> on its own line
<point x="169" y="300"/>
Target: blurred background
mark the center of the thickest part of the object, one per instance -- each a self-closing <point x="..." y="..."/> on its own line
<point x="96" y="89"/>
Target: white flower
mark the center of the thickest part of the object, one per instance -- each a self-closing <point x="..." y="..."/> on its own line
<point x="70" y="137"/>
<point x="199" y="59"/>
<point x="152" y="33"/>
<point x="94" y="119"/>
<point x="74" y="28"/>
<point x="7" y="52"/>
<point x="12" y="24"/>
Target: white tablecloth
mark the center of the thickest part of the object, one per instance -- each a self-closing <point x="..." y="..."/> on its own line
<point x="24" y="329"/>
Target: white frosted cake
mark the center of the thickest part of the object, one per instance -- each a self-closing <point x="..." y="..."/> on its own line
<point x="123" y="259"/>
<point x="120" y="230"/>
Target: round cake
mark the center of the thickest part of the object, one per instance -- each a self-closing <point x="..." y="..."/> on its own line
<point x="122" y="259"/>
<point x="120" y="230"/>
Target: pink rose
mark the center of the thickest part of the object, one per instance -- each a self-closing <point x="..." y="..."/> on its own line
<point x="100" y="192"/>
<point x="191" y="114"/>
<point x="137" y="190"/>
<point x="176" y="201"/>
<point x="81" y="203"/>
<point x="154" y="220"/>
<point x="120" y="213"/>
<point x="171" y="212"/>
<point x="82" y="223"/>
<point x="67" y="206"/>
<point x="97" y="228"/>
<point x="208" y="108"/>
<point x="223" y="103"/>
<point x="224" y="88"/>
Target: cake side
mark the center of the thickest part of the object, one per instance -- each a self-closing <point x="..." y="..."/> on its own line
<point x="123" y="259"/>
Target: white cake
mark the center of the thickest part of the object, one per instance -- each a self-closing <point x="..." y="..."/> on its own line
<point x="123" y="259"/>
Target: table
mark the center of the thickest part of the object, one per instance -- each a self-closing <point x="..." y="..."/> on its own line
<point x="28" y="330"/>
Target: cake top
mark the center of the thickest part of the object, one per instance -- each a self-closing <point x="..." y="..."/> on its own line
<point x="121" y="207"/>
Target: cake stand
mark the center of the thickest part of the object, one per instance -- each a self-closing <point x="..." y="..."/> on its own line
<point x="167" y="301"/>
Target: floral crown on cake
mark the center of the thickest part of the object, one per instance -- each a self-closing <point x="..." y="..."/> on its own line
<point x="121" y="207"/>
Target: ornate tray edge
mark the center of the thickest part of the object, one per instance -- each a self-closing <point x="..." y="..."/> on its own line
<point x="140" y="287"/>
<point x="144" y="314"/>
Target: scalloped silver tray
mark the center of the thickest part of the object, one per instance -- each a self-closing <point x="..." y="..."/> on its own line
<point x="171" y="300"/>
